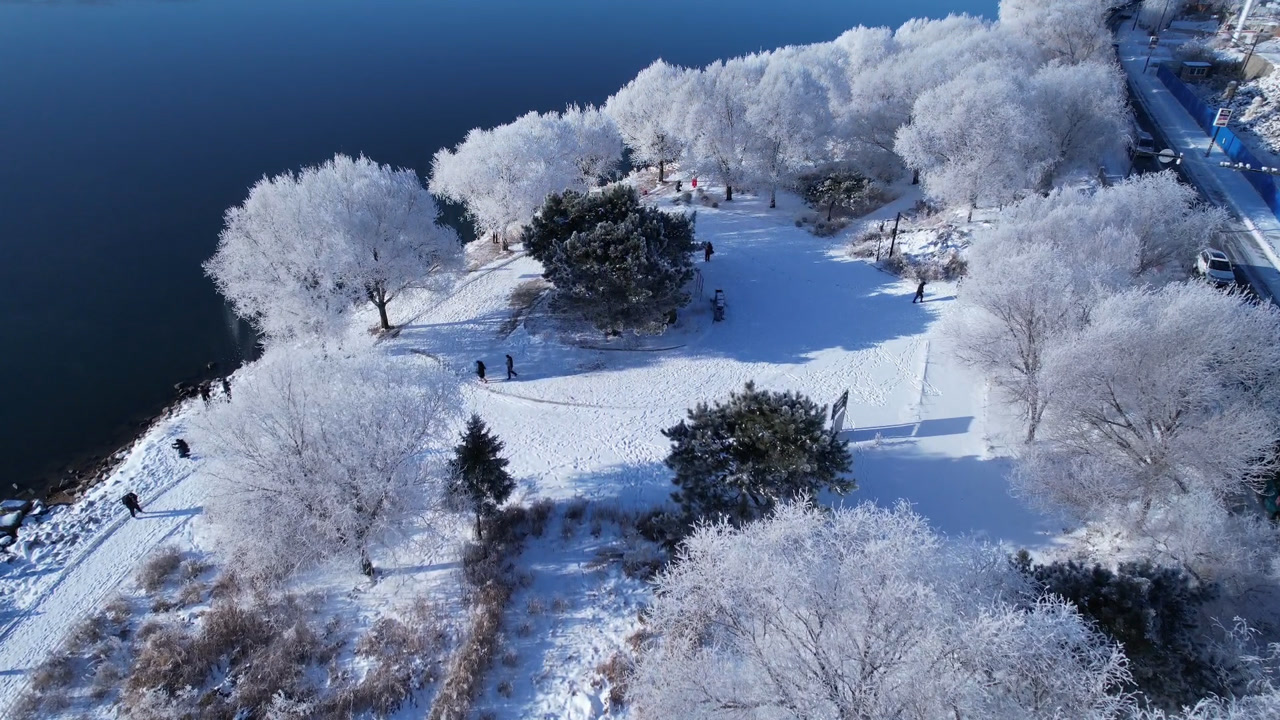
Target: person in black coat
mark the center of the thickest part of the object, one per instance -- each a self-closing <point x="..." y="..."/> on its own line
<point x="226" y="388"/>
<point x="480" y="371"/>
<point x="205" y="392"/>
<point x="707" y="249"/>
<point x="919" y="293"/>
<point x="184" y="450"/>
<point x="130" y="500"/>
<point x="511" y="368"/>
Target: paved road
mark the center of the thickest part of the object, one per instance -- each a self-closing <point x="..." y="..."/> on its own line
<point x="1253" y="271"/>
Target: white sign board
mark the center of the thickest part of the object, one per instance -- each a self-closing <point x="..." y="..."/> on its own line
<point x="838" y="412"/>
<point x="1224" y="114"/>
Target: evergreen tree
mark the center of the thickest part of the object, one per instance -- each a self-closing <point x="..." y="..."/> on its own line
<point x="1154" y="612"/>
<point x="623" y="264"/>
<point x="739" y="459"/>
<point x="840" y="189"/>
<point x="477" y="475"/>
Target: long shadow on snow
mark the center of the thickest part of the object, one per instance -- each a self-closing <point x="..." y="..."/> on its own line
<point x="959" y="496"/>
<point x="781" y="309"/>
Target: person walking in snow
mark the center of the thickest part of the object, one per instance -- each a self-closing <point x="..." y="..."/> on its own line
<point x="184" y="450"/>
<point x="511" y="368"/>
<point x="707" y="249"/>
<point x="205" y="393"/>
<point x="130" y="500"/>
<point x="480" y="371"/>
<point x="919" y="293"/>
<point x="226" y="388"/>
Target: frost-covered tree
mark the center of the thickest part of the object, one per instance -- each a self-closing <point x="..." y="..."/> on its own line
<point x="738" y="459"/>
<point x="390" y="239"/>
<point x="649" y="113"/>
<point x="790" y="120"/>
<point x="976" y="138"/>
<point x="623" y="264"/>
<point x="478" y="473"/>
<point x="1086" y="114"/>
<point x="863" y="613"/>
<point x="718" y="138"/>
<point x="1019" y="298"/>
<point x="305" y="247"/>
<point x="592" y="143"/>
<point x="1065" y="31"/>
<point x="1155" y="15"/>
<point x="1165" y="393"/>
<point x="320" y="457"/>
<point x="1144" y="229"/>
<point x="502" y="175"/>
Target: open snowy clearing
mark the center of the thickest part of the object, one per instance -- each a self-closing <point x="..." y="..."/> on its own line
<point x="585" y="421"/>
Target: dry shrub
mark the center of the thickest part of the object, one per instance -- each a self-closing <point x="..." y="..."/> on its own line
<point x="506" y="689"/>
<point x="639" y="639"/>
<point x="118" y="612"/>
<point x="641" y="560"/>
<point x="261" y="652"/>
<point x="157" y="570"/>
<point x="56" y="673"/>
<point x="896" y="264"/>
<point x="539" y="513"/>
<point x="525" y="629"/>
<point x="488" y="569"/>
<point x="510" y="658"/>
<point x="191" y="594"/>
<point x="575" y="510"/>
<point x="226" y="586"/>
<point x="535" y="606"/>
<point x="193" y="568"/>
<point x="617" y="672"/>
<point x="406" y="656"/>
<point x="560" y="604"/>
<point x="522" y="300"/>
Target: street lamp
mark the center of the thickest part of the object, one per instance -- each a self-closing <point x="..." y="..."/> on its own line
<point x="1155" y="39"/>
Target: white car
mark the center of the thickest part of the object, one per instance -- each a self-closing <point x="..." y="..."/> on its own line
<point x="1214" y="266"/>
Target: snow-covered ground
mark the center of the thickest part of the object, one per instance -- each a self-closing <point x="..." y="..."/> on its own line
<point x="584" y="420"/>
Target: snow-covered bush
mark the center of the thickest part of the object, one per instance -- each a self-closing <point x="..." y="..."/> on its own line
<point x="863" y="613"/>
<point x="303" y="249"/>
<point x="623" y="264"/>
<point x="739" y="458"/>
<point x="319" y="456"/>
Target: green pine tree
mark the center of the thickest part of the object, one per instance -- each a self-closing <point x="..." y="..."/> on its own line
<point x="622" y="264"/>
<point x="477" y="475"/>
<point x="738" y="459"/>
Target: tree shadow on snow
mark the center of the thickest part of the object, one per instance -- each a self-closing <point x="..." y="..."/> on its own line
<point x="959" y="496"/>
<point x="924" y="428"/>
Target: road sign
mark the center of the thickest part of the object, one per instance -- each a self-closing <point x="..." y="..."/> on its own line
<point x="837" y="412"/>
<point x="1166" y="156"/>
<point x="1224" y="114"/>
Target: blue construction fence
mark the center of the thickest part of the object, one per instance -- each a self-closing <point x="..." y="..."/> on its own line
<point x="1227" y="140"/>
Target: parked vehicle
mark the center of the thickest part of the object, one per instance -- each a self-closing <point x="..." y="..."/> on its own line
<point x="1215" y="267"/>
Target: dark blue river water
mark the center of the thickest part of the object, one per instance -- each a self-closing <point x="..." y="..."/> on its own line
<point x="127" y="127"/>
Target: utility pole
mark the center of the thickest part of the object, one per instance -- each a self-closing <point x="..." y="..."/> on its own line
<point x="894" y="237"/>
